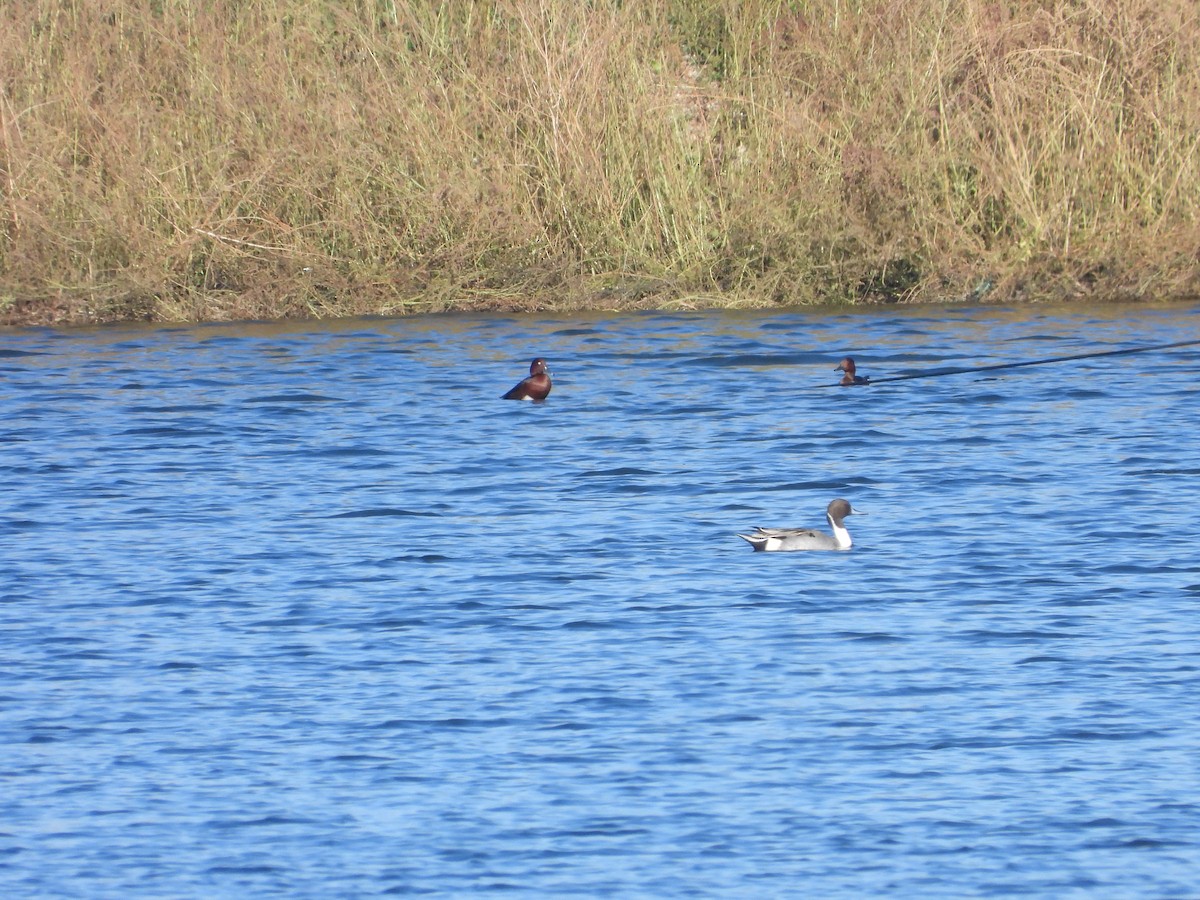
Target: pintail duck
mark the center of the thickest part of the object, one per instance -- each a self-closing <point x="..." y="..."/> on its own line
<point x="535" y="387"/>
<point x="847" y="366"/>
<point x="806" y="538"/>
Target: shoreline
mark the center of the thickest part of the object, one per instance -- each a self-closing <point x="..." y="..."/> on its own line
<point x="228" y="308"/>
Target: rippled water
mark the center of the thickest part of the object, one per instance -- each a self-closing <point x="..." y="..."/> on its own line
<point x="307" y="611"/>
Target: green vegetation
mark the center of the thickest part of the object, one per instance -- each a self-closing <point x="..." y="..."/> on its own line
<point x="216" y="159"/>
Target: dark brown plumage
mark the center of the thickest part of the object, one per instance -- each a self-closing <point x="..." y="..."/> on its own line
<point x="536" y="387"/>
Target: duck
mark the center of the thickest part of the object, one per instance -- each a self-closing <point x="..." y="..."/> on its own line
<point x="847" y="366"/>
<point x="775" y="539"/>
<point x="536" y="387"/>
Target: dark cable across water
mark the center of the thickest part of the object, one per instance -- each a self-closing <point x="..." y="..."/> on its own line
<point x="1031" y="362"/>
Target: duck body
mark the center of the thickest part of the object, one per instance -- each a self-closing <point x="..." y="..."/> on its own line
<point x="786" y="539"/>
<point x="536" y="387"/>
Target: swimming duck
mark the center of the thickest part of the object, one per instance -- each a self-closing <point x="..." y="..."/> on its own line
<point x="847" y="366"/>
<point x="535" y="387"/>
<point x="806" y="538"/>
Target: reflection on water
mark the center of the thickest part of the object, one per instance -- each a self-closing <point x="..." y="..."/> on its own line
<point x="306" y="609"/>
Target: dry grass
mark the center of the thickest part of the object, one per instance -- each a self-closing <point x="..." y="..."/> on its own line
<point x="180" y="159"/>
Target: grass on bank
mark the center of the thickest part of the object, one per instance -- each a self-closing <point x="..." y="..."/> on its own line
<point x="214" y="159"/>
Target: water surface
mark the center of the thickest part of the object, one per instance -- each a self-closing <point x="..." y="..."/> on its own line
<point x="305" y="610"/>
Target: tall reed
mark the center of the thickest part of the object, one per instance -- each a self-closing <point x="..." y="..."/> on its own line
<point x="209" y="159"/>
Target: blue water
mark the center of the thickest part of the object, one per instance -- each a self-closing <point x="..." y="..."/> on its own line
<point x="305" y="610"/>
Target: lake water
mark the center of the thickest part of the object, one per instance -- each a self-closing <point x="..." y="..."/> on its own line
<point x="305" y="610"/>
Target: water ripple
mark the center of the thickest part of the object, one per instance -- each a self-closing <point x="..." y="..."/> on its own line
<point x="305" y="610"/>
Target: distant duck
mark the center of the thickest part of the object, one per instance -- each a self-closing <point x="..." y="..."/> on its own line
<point x="771" y="539"/>
<point x="847" y="366"/>
<point x="536" y="387"/>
